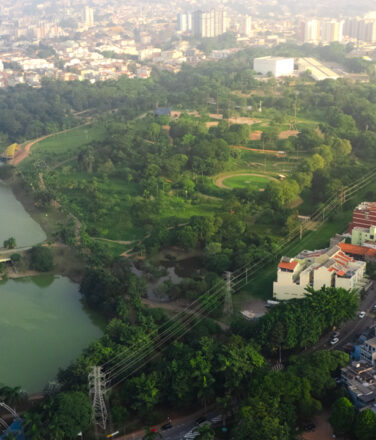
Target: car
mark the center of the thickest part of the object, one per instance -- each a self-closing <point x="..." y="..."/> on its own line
<point x="334" y="341"/>
<point x="362" y="315"/>
<point x="216" y="419"/>
<point x="374" y="308"/>
<point x="309" y="427"/>
<point x="335" y="334"/>
<point x="200" y="420"/>
<point x="193" y="433"/>
<point x="166" y="426"/>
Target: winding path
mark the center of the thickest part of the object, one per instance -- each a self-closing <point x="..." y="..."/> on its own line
<point x="26" y="151"/>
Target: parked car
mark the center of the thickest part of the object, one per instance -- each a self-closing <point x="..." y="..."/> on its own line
<point x="374" y="308"/>
<point x="362" y="315"/>
<point x="309" y="427"/>
<point x="200" y="420"/>
<point x="336" y="334"/>
<point x="193" y="433"/>
<point x="334" y="341"/>
<point x="166" y="426"/>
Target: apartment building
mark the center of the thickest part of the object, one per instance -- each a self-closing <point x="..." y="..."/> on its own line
<point x="327" y="267"/>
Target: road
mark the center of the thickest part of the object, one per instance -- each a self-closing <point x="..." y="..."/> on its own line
<point x="180" y="427"/>
<point x="350" y="329"/>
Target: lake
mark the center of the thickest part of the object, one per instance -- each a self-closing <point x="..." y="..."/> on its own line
<point x="16" y="222"/>
<point x="43" y="324"/>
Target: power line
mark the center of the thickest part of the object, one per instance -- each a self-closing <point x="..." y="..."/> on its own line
<point x="244" y="275"/>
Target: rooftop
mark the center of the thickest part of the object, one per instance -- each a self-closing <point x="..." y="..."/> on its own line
<point x="357" y="250"/>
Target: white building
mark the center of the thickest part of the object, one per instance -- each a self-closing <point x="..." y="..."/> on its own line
<point x="326" y="267"/>
<point x="331" y="31"/>
<point x="277" y="66"/>
<point x="88" y="16"/>
<point x="185" y="22"/>
<point x="245" y="27"/>
<point x="209" y="24"/>
<point x="311" y="31"/>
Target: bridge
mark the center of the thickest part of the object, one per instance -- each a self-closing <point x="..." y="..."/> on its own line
<point x="5" y="254"/>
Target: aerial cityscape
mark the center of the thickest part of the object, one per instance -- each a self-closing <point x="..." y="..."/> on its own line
<point x="187" y="220"/>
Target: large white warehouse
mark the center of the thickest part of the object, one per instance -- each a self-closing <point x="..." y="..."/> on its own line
<point x="278" y="66"/>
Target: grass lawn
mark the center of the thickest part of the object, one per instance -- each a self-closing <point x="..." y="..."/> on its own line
<point x="62" y="146"/>
<point x="254" y="182"/>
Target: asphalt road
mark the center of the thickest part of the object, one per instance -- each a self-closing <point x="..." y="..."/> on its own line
<point x="180" y="427"/>
<point x="350" y="330"/>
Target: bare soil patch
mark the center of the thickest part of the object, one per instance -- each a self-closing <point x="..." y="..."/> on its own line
<point x="244" y="120"/>
<point x="288" y="133"/>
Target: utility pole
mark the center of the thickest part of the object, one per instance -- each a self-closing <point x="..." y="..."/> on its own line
<point x="228" y="309"/>
<point x="342" y="197"/>
<point x="97" y="390"/>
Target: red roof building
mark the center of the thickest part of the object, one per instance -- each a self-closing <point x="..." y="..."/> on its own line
<point x="364" y="215"/>
<point x="358" y="252"/>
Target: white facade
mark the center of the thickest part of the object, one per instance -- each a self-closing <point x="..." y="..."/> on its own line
<point x="331" y="268"/>
<point x="311" y="31"/>
<point x="184" y="22"/>
<point x="245" y="27"/>
<point x="331" y="31"/>
<point x="277" y="66"/>
<point x="89" y="16"/>
<point x="209" y="24"/>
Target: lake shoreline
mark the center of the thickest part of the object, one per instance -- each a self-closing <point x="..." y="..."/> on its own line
<point x="67" y="262"/>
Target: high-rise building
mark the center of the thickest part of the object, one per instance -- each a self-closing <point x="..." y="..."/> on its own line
<point x="331" y="31"/>
<point x="88" y="16"/>
<point x="209" y="24"/>
<point x="311" y="31"/>
<point x="185" y="22"/>
<point x="246" y="26"/>
<point x="361" y="29"/>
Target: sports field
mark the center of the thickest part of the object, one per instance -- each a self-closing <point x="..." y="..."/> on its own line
<point x="243" y="180"/>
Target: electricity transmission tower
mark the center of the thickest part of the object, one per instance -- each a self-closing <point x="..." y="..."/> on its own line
<point x="227" y="308"/>
<point x="97" y="391"/>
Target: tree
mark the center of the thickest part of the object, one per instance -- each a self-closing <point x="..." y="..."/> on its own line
<point x="206" y="432"/>
<point x="342" y="416"/>
<point x="10" y="243"/>
<point x="41" y="259"/>
<point x="365" y="425"/>
<point x="72" y="412"/>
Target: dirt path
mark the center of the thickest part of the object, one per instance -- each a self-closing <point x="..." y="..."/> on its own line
<point x="323" y="429"/>
<point x="260" y="150"/>
<point x="220" y="184"/>
<point x="26" y="151"/>
<point x="117" y="241"/>
<point x="173" y="306"/>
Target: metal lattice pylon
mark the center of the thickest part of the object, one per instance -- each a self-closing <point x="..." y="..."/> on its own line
<point x="97" y="391"/>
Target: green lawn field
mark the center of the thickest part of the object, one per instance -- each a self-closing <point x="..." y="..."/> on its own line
<point x="246" y="181"/>
<point x="64" y="145"/>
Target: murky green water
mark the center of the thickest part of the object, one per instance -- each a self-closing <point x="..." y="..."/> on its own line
<point x="43" y="326"/>
<point x="16" y="222"/>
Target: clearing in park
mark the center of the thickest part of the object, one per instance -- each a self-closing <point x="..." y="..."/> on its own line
<point x="244" y="180"/>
